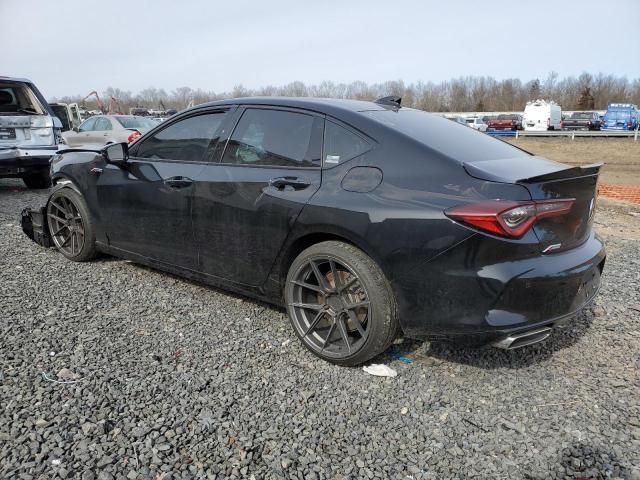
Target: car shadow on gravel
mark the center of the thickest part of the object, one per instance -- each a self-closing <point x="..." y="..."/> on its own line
<point x="420" y="351"/>
<point x="493" y="358"/>
<point x="236" y="296"/>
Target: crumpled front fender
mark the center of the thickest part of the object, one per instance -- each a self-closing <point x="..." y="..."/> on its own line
<point x="34" y="225"/>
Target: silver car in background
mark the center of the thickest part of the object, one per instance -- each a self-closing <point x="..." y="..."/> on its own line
<point x="29" y="133"/>
<point x="106" y="129"/>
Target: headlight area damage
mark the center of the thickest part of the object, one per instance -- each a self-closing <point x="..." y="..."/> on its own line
<point x="34" y="225"/>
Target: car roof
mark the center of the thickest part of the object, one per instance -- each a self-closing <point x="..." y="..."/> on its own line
<point x="322" y="105"/>
<point x="15" y="79"/>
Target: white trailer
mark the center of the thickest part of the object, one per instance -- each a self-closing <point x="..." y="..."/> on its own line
<point x="541" y="116"/>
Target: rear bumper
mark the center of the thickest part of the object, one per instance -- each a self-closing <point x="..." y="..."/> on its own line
<point x="476" y="294"/>
<point x="16" y="162"/>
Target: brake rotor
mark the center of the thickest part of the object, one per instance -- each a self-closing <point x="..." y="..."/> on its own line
<point x="353" y="295"/>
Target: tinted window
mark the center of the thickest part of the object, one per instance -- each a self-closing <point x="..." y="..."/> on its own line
<point x="187" y="140"/>
<point x="341" y="145"/>
<point x="461" y="144"/>
<point x="88" y="124"/>
<point x="275" y="137"/>
<point x="102" y="124"/>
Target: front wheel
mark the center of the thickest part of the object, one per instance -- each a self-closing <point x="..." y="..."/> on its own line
<point x="340" y="303"/>
<point x="70" y="226"/>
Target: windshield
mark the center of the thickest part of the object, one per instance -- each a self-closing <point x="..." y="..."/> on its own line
<point x="18" y="99"/>
<point x="136" y="122"/>
<point x="508" y="117"/>
<point x="461" y="144"/>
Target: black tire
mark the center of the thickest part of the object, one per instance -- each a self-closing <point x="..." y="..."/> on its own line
<point x="72" y="232"/>
<point x="38" y="180"/>
<point x="361" y="334"/>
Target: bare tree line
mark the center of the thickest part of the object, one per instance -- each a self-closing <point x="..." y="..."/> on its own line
<point x="461" y="94"/>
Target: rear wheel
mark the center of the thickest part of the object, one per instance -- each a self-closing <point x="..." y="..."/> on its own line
<point x="70" y="226"/>
<point x="340" y="304"/>
<point x="37" y="180"/>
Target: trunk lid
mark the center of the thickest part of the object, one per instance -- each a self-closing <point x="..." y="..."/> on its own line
<point x="547" y="180"/>
<point x="15" y="130"/>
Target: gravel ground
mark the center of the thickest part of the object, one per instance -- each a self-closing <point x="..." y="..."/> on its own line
<point x="111" y="370"/>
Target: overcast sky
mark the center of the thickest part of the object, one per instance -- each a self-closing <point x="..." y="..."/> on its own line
<point x="73" y="46"/>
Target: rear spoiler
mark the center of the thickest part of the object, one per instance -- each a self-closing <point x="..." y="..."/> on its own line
<point x="534" y="169"/>
<point x="574" y="172"/>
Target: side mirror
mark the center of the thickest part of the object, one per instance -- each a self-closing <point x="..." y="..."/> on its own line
<point x="76" y="129"/>
<point x="116" y="153"/>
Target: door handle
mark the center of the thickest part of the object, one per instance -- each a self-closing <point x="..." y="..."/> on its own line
<point x="178" y="182"/>
<point x="297" y="183"/>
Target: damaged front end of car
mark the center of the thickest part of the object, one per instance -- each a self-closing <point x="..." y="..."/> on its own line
<point x="34" y="225"/>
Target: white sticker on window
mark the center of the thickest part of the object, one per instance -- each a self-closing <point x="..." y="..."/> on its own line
<point x="332" y="159"/>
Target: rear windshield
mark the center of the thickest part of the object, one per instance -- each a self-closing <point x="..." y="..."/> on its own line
<point x="453" y="140"/>
<point x="136" y="122"/>
<point x="18" y="99"/>
<point x="508" y="117"/>
<point x="618" y="115"/>
<point x="581" y="115"/>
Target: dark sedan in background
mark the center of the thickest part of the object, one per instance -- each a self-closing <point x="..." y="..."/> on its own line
<point x="582" y="121"/>
<point x="362" y="219"/>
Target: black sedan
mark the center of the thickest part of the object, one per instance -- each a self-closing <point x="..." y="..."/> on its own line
<point x="362" y="219"/>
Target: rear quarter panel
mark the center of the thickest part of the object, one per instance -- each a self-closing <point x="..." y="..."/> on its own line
<point x="400" y="224"/>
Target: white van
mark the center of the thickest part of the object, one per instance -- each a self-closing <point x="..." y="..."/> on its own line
<point x="476" y="123"/>
<point x="540" y="115"/>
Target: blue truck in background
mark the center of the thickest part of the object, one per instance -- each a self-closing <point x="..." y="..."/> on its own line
<point x="621" y="116"/>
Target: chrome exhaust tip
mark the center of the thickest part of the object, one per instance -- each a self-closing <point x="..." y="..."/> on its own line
<point x="522" y="339"/>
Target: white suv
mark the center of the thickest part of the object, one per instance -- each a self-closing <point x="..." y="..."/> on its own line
<point x="476" y="123"/>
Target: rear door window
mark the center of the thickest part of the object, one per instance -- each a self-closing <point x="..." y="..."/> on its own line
<point x="102" y="124"/>
<point x="275" y="137"/>
<point x="191" y="139"/>
<point x="88" y="124"/>
<point x="341" y="144"/>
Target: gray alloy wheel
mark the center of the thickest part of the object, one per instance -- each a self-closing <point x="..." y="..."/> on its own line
<point x="69" y="225"/>
<point x="340" y="304"/>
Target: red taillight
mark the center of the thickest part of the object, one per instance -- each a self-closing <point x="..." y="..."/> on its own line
<point x="507" y="218"/>
<point x="134" y="136"/>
